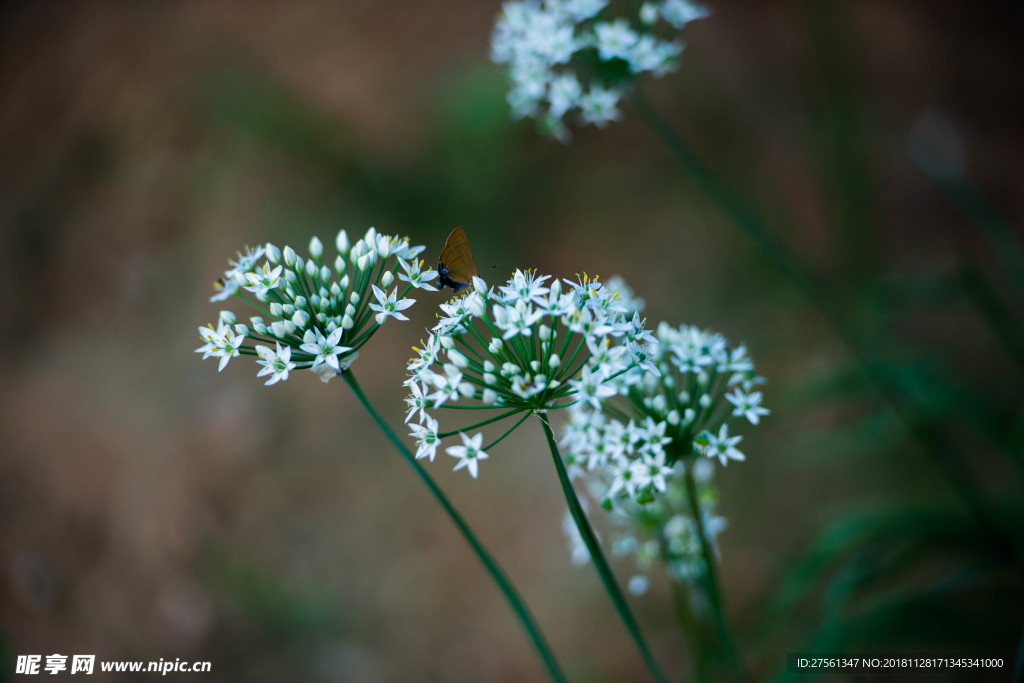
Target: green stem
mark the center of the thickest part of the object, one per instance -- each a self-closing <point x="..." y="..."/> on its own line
<point x="960" y="479"/>
<point x="507" y="432"/>
<point x="478" y="425"/>
<point x="504" y="583"/>
<point x="711" y="580"/>
<point x="693" y="632"/>
<point x="594" y="547"/>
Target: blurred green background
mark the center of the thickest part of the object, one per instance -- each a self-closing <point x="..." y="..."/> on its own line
<point x="151" y="507"/>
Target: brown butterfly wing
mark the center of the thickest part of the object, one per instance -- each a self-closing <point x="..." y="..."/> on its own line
<point x="457" y="257"/>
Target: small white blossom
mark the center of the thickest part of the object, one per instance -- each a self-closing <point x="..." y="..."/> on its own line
<point x="469" y="453"/>
<point x="413" y="273"/>
<point x="747" y="405"/>
<point x="426" y="437"/>
<point x="389" y="305"/>
<point x="599" y="106"/>
<point x="275" y="363"/>
<point x="615" y="40"/>
<point x="263" y="280"/>
<point x="324" y="349"/>
<point x="723" y="446"/>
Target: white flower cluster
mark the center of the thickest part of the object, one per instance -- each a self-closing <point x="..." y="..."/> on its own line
<point x="545" y="43"/>
<point x="664" y="529"/>
<point x="530" y="345"/>
<point x="315" y="315"/>
<point x="633" y="436"/>
<point x="633" y="447"/>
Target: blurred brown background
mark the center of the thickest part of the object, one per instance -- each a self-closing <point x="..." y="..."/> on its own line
<point x="151" y="507"/>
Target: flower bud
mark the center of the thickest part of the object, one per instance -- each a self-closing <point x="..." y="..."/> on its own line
<point x="273" y="254"/>
<point x="316" y="248"/>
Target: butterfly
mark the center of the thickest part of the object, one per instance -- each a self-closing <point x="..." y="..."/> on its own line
<point x="455" y="267"/>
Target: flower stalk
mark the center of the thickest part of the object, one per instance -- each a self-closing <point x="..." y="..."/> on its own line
<point x="604" y="571"/>
<point x="517" y="604"/>
<point x="710" y="580"/>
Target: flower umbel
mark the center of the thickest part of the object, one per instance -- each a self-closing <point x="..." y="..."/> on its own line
<point x="544" y="45"/>
<point x="633" y="436"/>
<point x="316" y="315"/>
<point x="532" y="345"/>
<point x="645" y="450"/>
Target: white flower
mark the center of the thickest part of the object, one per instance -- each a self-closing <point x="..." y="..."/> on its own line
<point x="563" y="94"/>
<point x="615" y="39"/>
<point x="517" y="319"/>
<point x="247" y="260"/>
<point x="427" y="439"/>
<point x="525" y="288"/>
<point x="413" y="274"/>
<point x="747" y="405"/>
<point x="598" y="106"/>
<point x="656" y="470"/>
<point x="625" y="473"/>
<point x="325" y="349"/>
<point x="723" y="446"/>
<point x="389" y="305"/>
<point x="212" y="338"/>
<point x="469" y="453"/>
<point x="262" y="282"/>
<point x="590" y="388"/>
<point x="656" y="56"/>
<point x="417" y="402"/>
<point x="276" y="363"/>
<point x="220" y="343"/>
<point x="226" y="288"/>
<point x="447" y="385"/>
